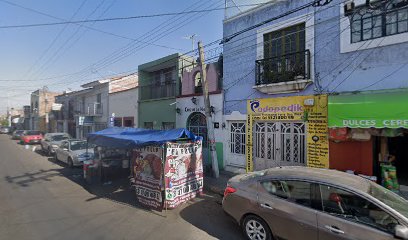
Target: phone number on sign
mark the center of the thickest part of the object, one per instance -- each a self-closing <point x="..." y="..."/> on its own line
<point x="149" y="194"/>
<point x="185" y="189"/>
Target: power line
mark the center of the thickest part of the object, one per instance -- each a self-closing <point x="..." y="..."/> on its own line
<point x="117" y="18"/>
<point x="385" y="77"/>
<point x="355" y="68"/>
<point x="171" y="21"/>
<point x="148" y="36"/>
<point x="88" y="27"/>
<point x="56" y="56"/>
<point x="311" y="4"/>
<point x="248" y="41"/>
<point x="54" y="40"/>
<point x="115" y="60"/>
<point x="79" y="72"/>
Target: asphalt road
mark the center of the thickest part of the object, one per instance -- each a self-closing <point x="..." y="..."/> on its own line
<point x="41" y="199"/>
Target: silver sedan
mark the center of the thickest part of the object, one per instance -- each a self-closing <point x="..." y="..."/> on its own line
<point x="73" y="152"/>
<point x="309" y="204"/>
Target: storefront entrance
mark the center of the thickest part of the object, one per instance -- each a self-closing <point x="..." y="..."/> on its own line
<point x="279" y="144"/>
<point x="380" y="118"/>
<point x="398" y="146"/>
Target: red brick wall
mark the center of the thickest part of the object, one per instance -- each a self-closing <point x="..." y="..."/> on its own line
<point x="356" y="156"/>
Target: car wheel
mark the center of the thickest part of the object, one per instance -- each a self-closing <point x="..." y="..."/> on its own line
<point x="256" y="228"/>
<point x="49" y="152"/>
<point x="70" y="163"/>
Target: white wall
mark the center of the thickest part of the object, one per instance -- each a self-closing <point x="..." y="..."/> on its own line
<point x="187" y="107"/>
<point x="91" y="98"/>
<point x="124" y="104"/>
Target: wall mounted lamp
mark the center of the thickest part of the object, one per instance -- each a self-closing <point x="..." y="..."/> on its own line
<point x="194" y="100"/>
<point x="212" y="109"/>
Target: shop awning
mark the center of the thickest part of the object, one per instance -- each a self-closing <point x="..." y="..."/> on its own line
<point x="366" y="110"/>
<point x="129" y="138"/>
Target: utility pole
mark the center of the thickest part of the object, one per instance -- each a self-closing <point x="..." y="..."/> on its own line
<point x="210" y="127"/>
<point x="8" y="112"/>
<point x="45" y="89"/>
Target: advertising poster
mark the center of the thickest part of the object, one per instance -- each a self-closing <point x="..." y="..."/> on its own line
<point x="183" y="171"/>
<point x="312" y="110"/>
<point x="147" y="168"/>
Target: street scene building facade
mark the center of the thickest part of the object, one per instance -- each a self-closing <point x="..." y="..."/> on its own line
<point x="269" y="79"/>
<point x="190" y="107"/>
<point x="159" y="84"/>
<point x="41" y="106"/>
<point x="366" y="77"/>
<point x="294" y="123"/>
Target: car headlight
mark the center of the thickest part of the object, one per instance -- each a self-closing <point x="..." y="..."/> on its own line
<point x="54" y="146"/>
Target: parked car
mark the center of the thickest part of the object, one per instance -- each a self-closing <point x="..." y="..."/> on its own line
<point x="51" y="141"/>
<point x="17" y="134"/>
<point x="74" y="152"/>
<point x="32" y="137"/>
<point x="5" y="130"/>
<point x="307" y="203"/>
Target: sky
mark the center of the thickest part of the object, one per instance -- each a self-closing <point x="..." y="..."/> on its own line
<point x="62" y="57"/>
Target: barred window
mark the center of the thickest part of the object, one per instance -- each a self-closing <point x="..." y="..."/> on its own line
<point x="237" y="138"/>
<point x="388" y="18"/>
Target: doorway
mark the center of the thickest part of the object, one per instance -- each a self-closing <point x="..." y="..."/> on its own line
<point x="398" y="147"/>
<point x="279" y="144"/>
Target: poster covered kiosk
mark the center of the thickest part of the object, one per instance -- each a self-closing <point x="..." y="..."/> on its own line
<point x="166" y="166"/>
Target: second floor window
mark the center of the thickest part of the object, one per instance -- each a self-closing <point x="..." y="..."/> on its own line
<point x="284" y="41"/>
<point x="388" y="18"/>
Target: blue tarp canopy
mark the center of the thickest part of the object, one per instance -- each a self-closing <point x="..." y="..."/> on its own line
<point x="129" y="138"/>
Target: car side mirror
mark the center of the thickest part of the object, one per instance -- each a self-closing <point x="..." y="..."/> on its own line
<point x="65" y="149"/>
<point x="401" y="232"/>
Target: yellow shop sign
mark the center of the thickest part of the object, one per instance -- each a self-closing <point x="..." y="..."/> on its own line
<point x="312" y="110"/>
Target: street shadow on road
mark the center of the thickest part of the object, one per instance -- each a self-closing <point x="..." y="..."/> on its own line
<point x="206" y="214"/>
<point x="117" y="189"/>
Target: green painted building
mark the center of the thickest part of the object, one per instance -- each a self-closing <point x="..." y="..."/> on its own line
<point x="159" y="84"/>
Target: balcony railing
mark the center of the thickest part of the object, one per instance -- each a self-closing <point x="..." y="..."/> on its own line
<point x="91" y="109"/>
<point x="155" y="91"/>
<point x="284" y="68"/>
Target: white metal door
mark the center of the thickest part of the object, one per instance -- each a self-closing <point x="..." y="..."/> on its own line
<point x="279" y="144"/>
<point x="236" y="143"/>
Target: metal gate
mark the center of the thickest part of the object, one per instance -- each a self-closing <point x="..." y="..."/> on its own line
<point x="279" y="144"/>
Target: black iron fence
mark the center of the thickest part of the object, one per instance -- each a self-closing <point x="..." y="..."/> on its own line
<point x="284" y="68"/>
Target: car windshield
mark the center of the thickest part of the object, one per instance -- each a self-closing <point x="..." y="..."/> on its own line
<point x="59" y="137"/>
<point x="33" y="133"/>
<point x="18" y="132"/>
<point x="389" y="198"/>
<point x="79" y="145"/>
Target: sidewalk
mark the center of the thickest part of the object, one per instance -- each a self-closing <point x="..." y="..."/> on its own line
<point x="217" y="185"/>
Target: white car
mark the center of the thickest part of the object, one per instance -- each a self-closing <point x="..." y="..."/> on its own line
<point x="74" y="152"/>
